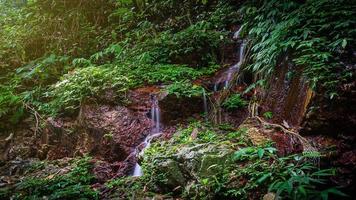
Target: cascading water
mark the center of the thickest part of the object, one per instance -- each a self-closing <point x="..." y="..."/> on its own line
<point x="227" y="76"/>
<point x="224" y="80"/>
<point x="155" y="132"/>
<point x="238" y="33"/>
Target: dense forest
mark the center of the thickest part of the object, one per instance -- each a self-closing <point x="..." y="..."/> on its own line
<point x="177" y="99"/>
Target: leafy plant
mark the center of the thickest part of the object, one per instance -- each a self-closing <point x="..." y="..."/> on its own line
<point x="11" y="106"/>
<point x="235" y="101"/>
<point x="74" y="185"/>
<point x="85" y="82"/>
<point x="291" y="177"/>
<point x="268" y="115"/>
<point x="316" y="35"/>
<point x="185" y="89"/>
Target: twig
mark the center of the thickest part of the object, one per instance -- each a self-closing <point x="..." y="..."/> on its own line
<point x="36" y="114"/>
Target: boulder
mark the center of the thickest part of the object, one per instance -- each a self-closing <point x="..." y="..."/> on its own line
<point x="191" y="164"/>
<point x="173" y="173"/>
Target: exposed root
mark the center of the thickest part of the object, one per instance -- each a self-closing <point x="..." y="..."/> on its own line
<point x="37" y="116"/>
<point x="307" y="147"/>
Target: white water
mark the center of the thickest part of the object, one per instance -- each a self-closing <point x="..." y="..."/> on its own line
<point x="155" y="132"/>
<point x="237" y="33"/>
<point x="233" y="69"/>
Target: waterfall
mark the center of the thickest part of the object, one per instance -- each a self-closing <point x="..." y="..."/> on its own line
<point x="216" y="86"/>
<point x="155" y="132"/>
<point x="155" y="115"/>
<point x="242" y="52"/>
<point x="235" y="68"/>
<point x="237" y="33"/>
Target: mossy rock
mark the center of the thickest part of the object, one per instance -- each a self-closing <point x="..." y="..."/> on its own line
<point x="174" y="176"/>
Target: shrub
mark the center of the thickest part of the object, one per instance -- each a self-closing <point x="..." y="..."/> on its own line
<point x="74" y="185"/>
<point x="185" y="89"/>
<point x="11" y="106"/>
<point x="317" y="35"/>
<point x="235" y="101"/>
<point x="291" y="177"/>
<point x="86" y="82"/>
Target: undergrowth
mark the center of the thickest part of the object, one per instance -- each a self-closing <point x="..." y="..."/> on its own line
<point x="249" y="171"/>
<point x="317" y="35"/>
<point x="74" y="185"/>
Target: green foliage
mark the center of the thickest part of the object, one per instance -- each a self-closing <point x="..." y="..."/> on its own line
<point x="11" y="106"/>
<point x="316" y="35"/>
<point x="141" y="48"/>
<point x="249" y="153"/>
<point x="43" y="71"/>
<point x="203" y="134"/>
<point x="299" y="183"/>
<point x="268" y="115"/>
<point x="235" y="101"/>
<point x="129" y="188"/>
<point x="291" y="177"/>
<point x="74" y="185"/>
<point x="196" y="45"/>
<point x="85" y="82"/>
<point x="185" y="89"/>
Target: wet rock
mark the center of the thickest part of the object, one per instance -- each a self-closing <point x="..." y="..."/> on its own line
<point x="102" y="171"/>
<point x="199" y="158"/>
<point x="124" y="130"/>
<point x="57" y="140"/>
<point x="288" y="96"/>
<point x="285" y="144"/>
<point x="191" y="164"/>
<point x="176" y="110"/>
<point x="140" y="99"/>
<point x="332" y="116"/>
<point x="173" y="174"/>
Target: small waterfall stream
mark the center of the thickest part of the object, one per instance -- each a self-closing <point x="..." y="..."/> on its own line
<point x="224" y="81"/>
<point x="238" y="33"/>
<point x="155" y="132"/>
<point x="227" y="76"/>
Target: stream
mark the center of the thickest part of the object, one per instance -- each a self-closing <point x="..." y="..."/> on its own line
<point x="155" y="132"/>
<point x="223" y="81"/>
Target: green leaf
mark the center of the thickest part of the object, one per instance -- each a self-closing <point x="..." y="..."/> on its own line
<point x="344" y="43"/>
<point x="260" y="152"/>
<point x="263" y="178"/>
<point x="335" y="191"/>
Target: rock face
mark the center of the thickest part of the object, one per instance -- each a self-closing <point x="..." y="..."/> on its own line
<point x="288" y="96"/>
<point x="108" y="133"/>
<point x="332" y="116"/>
<point x="191" y="164"/>
<point x="125" y="128"/>
<point x="177" y="110"/>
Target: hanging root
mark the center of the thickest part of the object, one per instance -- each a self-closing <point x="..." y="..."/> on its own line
<point x="308" y="149"/>
<point x="38" y="117"/>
